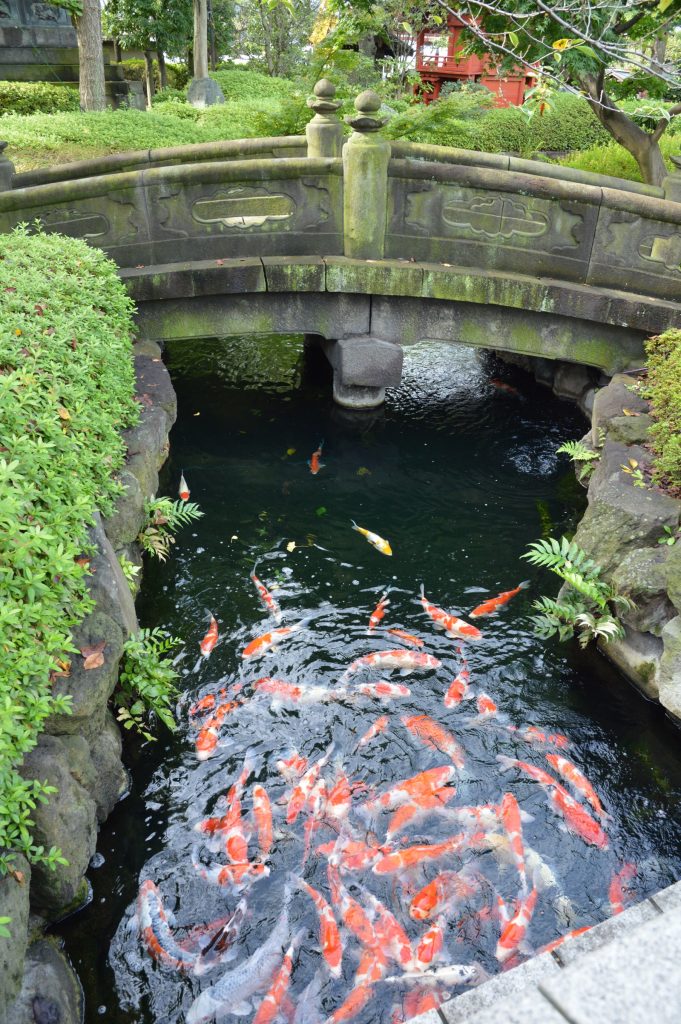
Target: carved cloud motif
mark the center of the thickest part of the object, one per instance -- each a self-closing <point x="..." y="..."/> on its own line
<point x="75" y="223"/>
<point x="241" y="207"/>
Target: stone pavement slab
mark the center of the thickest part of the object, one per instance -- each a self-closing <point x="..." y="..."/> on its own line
<point x="669" y="898"/>
<point x="502" y="986"/>
<point x="606" y="931"/>
<point x="633" y="979"/>
<point x="530" y="1008"/>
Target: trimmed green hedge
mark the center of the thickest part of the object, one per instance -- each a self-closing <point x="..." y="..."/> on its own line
<point x="663" y="390"/>
<point x="66" y="391"/>
<point x="615" y="160"/>
<point x="37" y="97"/>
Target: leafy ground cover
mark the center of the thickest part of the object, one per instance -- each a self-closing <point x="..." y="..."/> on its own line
<point x="663" y="390"/>
<point x="66" y="391"/>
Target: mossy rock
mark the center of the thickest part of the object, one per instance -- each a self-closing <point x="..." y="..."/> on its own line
<point x="673" y="574"/>
<point x="670" y="668"/>
<point x="629" y="429"/>
<point x="50" y="991"/>
<point x="14" y="903"/>
<point x="642" y="575"/>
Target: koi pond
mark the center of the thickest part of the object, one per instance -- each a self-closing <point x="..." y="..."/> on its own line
<point x="427" y="829"/>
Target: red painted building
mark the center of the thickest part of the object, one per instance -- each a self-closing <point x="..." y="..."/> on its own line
<point x="439" y="60"/>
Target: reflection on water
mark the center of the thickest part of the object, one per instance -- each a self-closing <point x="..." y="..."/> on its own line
<point x="459" y="474"/>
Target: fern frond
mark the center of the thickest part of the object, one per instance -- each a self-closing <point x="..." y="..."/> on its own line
<point x="577" y="451"/>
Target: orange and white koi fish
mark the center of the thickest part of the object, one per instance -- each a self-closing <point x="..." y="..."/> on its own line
<point x="454" y="628"/>
<point x="409" y="813"/>
<point x="314" y="461"/>
<point x="418" y="787"/>
<point x="391" y="935"/>
<point x="315" y="805"/>
<point x="578" y="781"/>
<point x="493" y="605"/>
<point x="223" y="825"/>
<point x="329" y="939"/>
<point x="550" y="946"/>
<point x="183" y="490"/>
<point x="502" y="385"/>
<point x="266" y="598"/>
<point x="430" y="944"/>
<point x="509" y="812"/>
<point x="270" y="1007"/>
<point x="263" y="643"/>
<point x="379" y="726"/>
<point x="479" y="817"/>
<point x="207" y="740"/>
<point x="405" y="661"/>
<point x="378" y="612"/>
<point x="217" y="941"/>
<point x="339" y="799"/>
<point x="445" y="977"/>
<point x="292" y="767"/>
<point x="155" y="930"/>
<point x="350" y="911"/>
<point x="447" y="890"/>
<point x="353" y="854"/>
<point x="459" y="689"/>
<point x="288" y="693"/>
<point x="410" y="856"/>
<point x="618" y="884"/>
<point x="262" y="812"/>
<point x="486" y="706"/>
<point x="383" y="690"/>
<point x="513" y="933"/>
<point x="371" y="969"/>
<point x="210" y="639"/>
<point x="417" y="1003"/>
<point x="531" y="734"/>
<point x="538" y="774"/>
<point x="408" y="638"/>
<point x="378" y="542"/>
<point x="206" y="703"/>
<point x="304" y="788"/>
<point x="435" y="736"/>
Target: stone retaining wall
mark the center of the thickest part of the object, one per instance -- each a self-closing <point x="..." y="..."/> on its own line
<point x="80" y="753"/>
<point x="622" y="525"/>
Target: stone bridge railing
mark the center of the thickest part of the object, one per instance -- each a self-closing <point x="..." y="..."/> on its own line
<point x="381" y="242"/>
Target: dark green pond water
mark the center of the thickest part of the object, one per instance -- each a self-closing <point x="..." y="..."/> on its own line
<point x="460" y="475"/>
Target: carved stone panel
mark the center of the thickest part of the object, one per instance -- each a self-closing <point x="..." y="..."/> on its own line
<point x="457" y="224"/>
<point x="637" y="253"/>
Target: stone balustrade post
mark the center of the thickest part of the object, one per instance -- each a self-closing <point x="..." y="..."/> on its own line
<point x="672" y="183"/>
<point x="365" y="181"/>
<point x="7" y="169"/>
<point x="324" y="132"/>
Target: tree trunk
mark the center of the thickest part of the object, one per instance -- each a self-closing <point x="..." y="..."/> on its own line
<point x="162" y="70"/>
<point x="212" y="48"/>
<point x="90" y="56"/>
<point x="644" y="147"/>
<point x="118" y="53"/>
<point x="200" y="39"/>
<point x="149" y="76"/>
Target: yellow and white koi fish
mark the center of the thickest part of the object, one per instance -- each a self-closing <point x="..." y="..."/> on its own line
<point x="378" y="542"/>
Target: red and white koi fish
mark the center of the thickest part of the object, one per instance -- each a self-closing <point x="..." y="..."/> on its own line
<point x="329" y="939"/>
<point x="454" y="628"/>
<point x="262" y="812"/>
<point x="383" y="690"/>
<point x="550" y="946"/>
<point x="314" y="462"/>
<point x="513" y="933"/>
<point x="220" y="944"/>
<point x="270" y="1007"/>
<point x="350" y="911"/>
<point x="378" y="542"/>
<point x="288" y="693"/>
<point x="447" y="890"/>
<point x="418" y="787"/>
<point x="435" y="736"/>
<point x="459" y="689"/>
<point x="266" y="598"/>
<point x="509" y="812"/>
<point x="156" y="933"/>
<point x="478" y="817"/>
<point x="410" y="856"/>
<point x="371" y="969"/>
<point x="292" y="767"/>
<point x="408" y="638"/>
<point x="206" y="703"/>
<point x="618" y="884"/>
<point x="235" y="875"/>
<point x="315" y="805"/>
<point x="486" y="706"/>
<point x="304" y="788"/>
<point x="221" y="826"/>
<point x="378" y="612"/>
<point x="210" y="639"/>
<point x="207" y="740"/>
<point x="263" y="643"/>
<point x="412" y="811"/>
<point x="405" y="661"/>
<point x="183" y="490"/>
<point x="379" y="726"/>
<point x="578" y="781"/>
<point x="430" y="944"/>
<point x="353" y="854"/>
<point x="493" y="605"/>
<point x="531" y="734"/>
<point x="339" y="799"/>
<point x="391" y="935"/>
<point x="417" y="1003"/>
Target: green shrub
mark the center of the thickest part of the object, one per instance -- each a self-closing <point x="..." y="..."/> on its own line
<point x="613" y="159"/>
<point x="567" y="124"/>
<point x="242" y="83"/>
<point x="66" y="391"/>
<point x="504" y="130"/>
<point x="147" y="681"/>
<point x="37" y="97"/>
<point x="663" y="390"/>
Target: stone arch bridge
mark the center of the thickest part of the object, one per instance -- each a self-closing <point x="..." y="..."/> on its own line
<point x="372" y="245"/>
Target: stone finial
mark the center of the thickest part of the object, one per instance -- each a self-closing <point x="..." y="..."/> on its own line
<point x="323" y="102"/>
<point x="6" y="169"/>
<point x="367" y="104"/>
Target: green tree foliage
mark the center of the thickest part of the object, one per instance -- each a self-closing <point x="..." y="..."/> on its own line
<point x="275" y="32"/>
<point x="165" y="25"/>
<point x="66" y="392"/>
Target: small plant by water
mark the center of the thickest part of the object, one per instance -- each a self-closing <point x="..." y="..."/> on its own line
<point x="130" y="571"/>
<point x="146" y="683"/>
<point x="579" y="452"/>
<point x="164" y="519"/>
<point x="586" y="606"/>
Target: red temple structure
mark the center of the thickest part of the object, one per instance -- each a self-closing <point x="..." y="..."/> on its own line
<point x="438" y="61"/>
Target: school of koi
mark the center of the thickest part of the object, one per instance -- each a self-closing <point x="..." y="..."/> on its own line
<point x="363" y="834"/>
